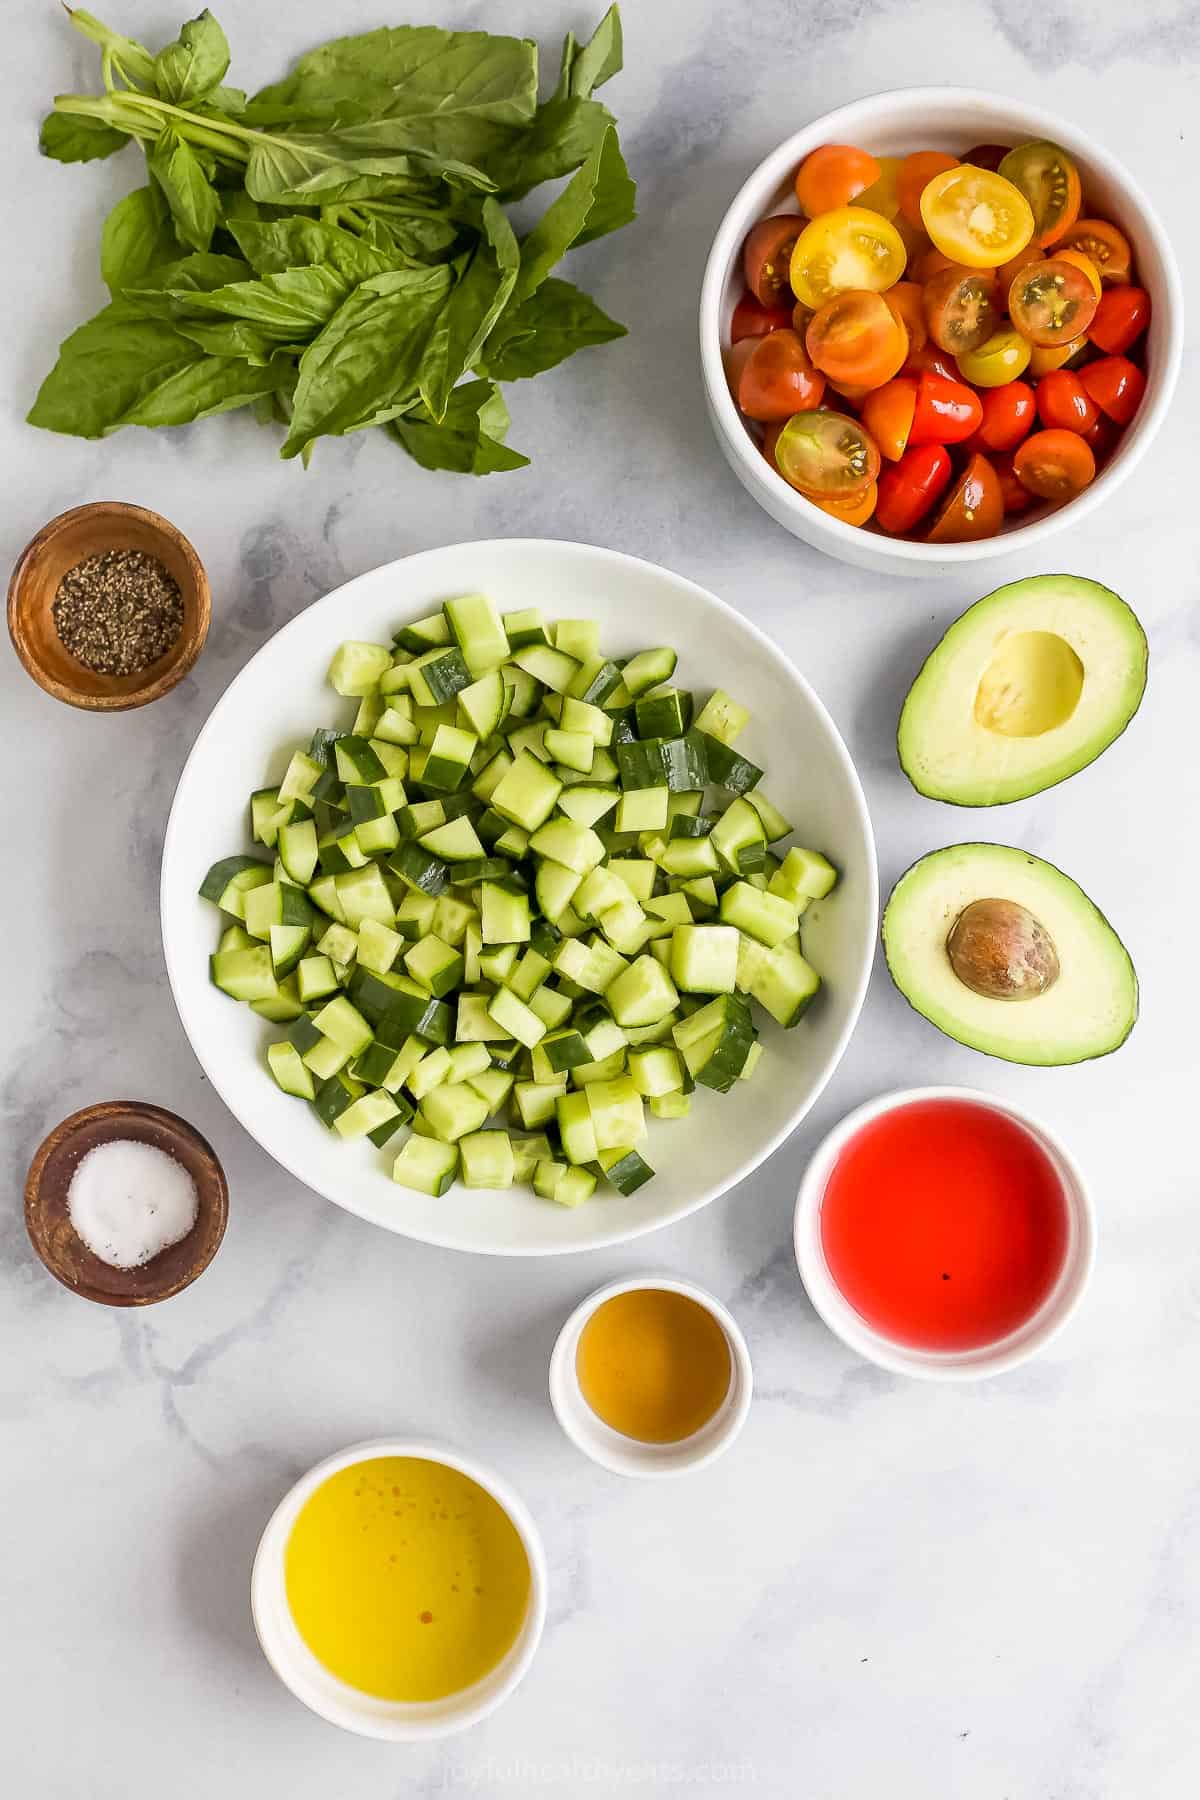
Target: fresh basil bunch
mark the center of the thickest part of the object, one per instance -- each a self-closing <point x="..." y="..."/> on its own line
<point x="335" y="251"/>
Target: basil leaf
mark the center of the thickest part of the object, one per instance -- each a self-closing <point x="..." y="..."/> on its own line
<point x="597" y="199"/>
<point x="614" y="196"/>
<point x="363" y="366"/>
<point x="209" y="385"/>
<point x="589" y="67"/>
<point x="468" y="441"/>
<point x="547" y="328"/>
<point x="105" y="368"/>
<point x="189" y="193"/>
<point x="162" y="292"/>
<point x="475" y="304"/>
<point x="137" y="236"/>
<point x="234" y="337"/>
<point x="345" y="165"/>
<point x="193" y="65"/>
<point x="293" y="304"/>
<point x="270" y="246"/>
<point x="74" y="137"/>
<point x="562" y="136"/>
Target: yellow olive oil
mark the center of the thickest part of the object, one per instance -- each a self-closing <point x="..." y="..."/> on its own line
<point x="653" y="1364"/>
<point x="405" y="1578"/>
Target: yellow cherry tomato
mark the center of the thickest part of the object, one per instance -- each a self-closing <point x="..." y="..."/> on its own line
<point x="976" y="217"/>
<point x="1001" y="358"/>
<point x="847" y="248"/>
<point x="881" y="196"/>
<point x="1046" y="357"/>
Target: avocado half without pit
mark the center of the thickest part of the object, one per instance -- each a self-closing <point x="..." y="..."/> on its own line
<point x="1003" y="952"/>
<point x="1030" y="685"/>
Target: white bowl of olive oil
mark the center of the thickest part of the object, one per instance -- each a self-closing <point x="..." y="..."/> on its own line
<point x="399" y="1590"/>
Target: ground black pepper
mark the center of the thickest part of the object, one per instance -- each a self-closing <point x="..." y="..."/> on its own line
<point x="118" y="611"/>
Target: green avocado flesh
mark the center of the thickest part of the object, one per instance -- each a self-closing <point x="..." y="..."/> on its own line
<point x="1087" y="1010"/>
<point x="1028" y="687"/>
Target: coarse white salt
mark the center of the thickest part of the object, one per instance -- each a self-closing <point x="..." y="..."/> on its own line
<point x="129" y="1201"/>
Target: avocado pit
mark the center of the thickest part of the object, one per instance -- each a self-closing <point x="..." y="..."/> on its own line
<point x="1000" y="951"/>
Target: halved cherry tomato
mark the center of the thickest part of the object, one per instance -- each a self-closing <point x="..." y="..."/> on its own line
<point x="1055" y="465"/>
<point x="1052" y="302"/>
<point x="986" y="156"/>
<point x="916" y="172"/>
<point x="750" y="319"/>
<point x="1017" y="499"/>
<point x="1116" y="385"/>
<point x="1009" y="414"/>
<point x="1064" y="404"/>
<point x="960" y="307"/>
<point x="939" y="362"/>
<point x="777" y="378"/>
<point x="910" y="487"/>
<point x="827" y="455"/>
<point x="906" y="301"/>
<point x="946" y="412"/>
<point x="931" y="262"/>
<point x="855" y="337"/>
<point x="801" y="315"/>
<point x="852" y="392"/>
<point x="974" y="508"/>
<point x="881" y="196"/>
<point x="1103" y="245"/>
<point x="888" y="415"/>
<point x="1055" y="356"/>
<point x="1121" y="317"/>
<point x="1004" y="357"/>
<point x="1007" y="273"/>
<point x="1049" y="180"/>
<point x="976" y="217"/>
<point x="834" y="175"/>
<point x="847" y="248"/>
<point x="1081" y="262"/>
<point x="855" y="510"/>
<point x="767" y="255"/>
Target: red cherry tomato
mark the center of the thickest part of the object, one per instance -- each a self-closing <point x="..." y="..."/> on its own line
<point x="1064" y="404"/>
<point x="750" y="319"/>
<point x="767" y="257"/>
<point x="946" y="412"/>
<point x="1017" y="499"/>
<point x="914" y="175"/>
<point x="1052" y="302"/>
<point x="833" y="176"/>
<point x="1103" y="245"/>
<point x="1102" y="439"/>
<point x="974" y="507"/>
<point x="986" y="156"/>
<point x="1055" y="465"/>
<point x="910" y="487"/>
<point x="777" y="378"/>
<point x="962" y="308"/>
<point x="855" y="337"/>
<point x="938" y="362"/>
<point x="888" y="415"/>
<point x="1116" y="385"/>
<point x="1121" y="317"/>
<point x="1009" y="414"/>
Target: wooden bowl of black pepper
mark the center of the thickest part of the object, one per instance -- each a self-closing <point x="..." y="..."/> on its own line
<point x="108" y="606"/>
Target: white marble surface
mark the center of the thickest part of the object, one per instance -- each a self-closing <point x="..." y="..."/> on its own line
<point x="978" y="1594"/>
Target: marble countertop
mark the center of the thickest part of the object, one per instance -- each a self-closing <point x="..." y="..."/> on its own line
<point x="978" y="1593"/>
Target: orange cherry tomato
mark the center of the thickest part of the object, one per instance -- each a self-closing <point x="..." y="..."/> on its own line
<point x="1017" y="499"/>
<point x="913" y="177"/>
<point x="974" y="507"/>
<point x="907" y="303"/>
<point x="976" y="217"/>
<point x="856" y="509"/>
<point x="767" y="256"/>
<point x="1007" y="273"/>
<point x="827" y="455"/>
<point x="945" y="412"/>
<point x="1081" y="262"/>
<point x="1049" y="180"/>
<point x="986" y="156"/>
<point x="1009" y="414"/>
<point x="1121" y="317"/>
<point x="1103" y="245"/>
<point x="853" y="393"/>
<point x="834" y="175"/>
<point x="931" y="262"/>
<point x="735" y="358"/>
<point x="1116" y="385"/>
<point x="1064" y="404"/>
<point x="1044" y="357"/>
<point x="888" y="415"/>
<point x="750" y="319"/>
<point x="855" y="337"/>
<point x="910" y="487"/>
<point x="961" y="308"/>
<point x="777" y="378"/>
<point x="1055" y="465"/>
<point x="1052" y="302"/>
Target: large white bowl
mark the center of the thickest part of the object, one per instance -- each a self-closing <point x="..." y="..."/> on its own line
<point x="951" y="119"/>
<point x="278" y="699"/>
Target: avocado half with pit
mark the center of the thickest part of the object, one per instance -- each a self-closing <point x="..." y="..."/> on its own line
<point x="1026" y="688"/>
<point x="1003" y="952"/>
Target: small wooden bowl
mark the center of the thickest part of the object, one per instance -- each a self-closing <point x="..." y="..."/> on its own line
<point x="54" y="1237"/>
<point x="58" y="546"/>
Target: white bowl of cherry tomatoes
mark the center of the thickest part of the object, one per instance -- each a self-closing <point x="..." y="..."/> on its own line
<point x="935" y="327"/>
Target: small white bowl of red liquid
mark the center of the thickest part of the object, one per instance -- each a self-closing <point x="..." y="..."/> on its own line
<point x="943" y="1233"/>
<point x="952" y="120"/>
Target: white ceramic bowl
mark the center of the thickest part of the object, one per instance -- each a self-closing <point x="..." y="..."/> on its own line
<point x="323" y="1693"/>
<point x="281" y="695"/>
<point x="626" y="1456"/>
<point x="965" y="1365"/>
<point x="951" y="119"/>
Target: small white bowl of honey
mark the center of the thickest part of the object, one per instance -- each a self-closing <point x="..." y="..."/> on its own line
<point x="651" y="1376"/>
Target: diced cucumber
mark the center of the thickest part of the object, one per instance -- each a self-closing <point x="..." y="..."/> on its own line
<point x="244" y="974"/>
<point x="289" y="1072"/>
<point x="625" y="1168"/>
<point x="764" y="917"/>
<point x="356" y="668"/>
<point x="426" y="1166"/>
<point x="454" y="1111"/>
<point x="642" y="994"/>
<point x="648" y="669"/>
<point x="486" y="1160"/>
<point x="803" y="875"/>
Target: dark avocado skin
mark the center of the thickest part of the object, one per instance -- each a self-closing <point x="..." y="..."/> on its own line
<point x="979" y="805"/>
<point x="979" y="844"/>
